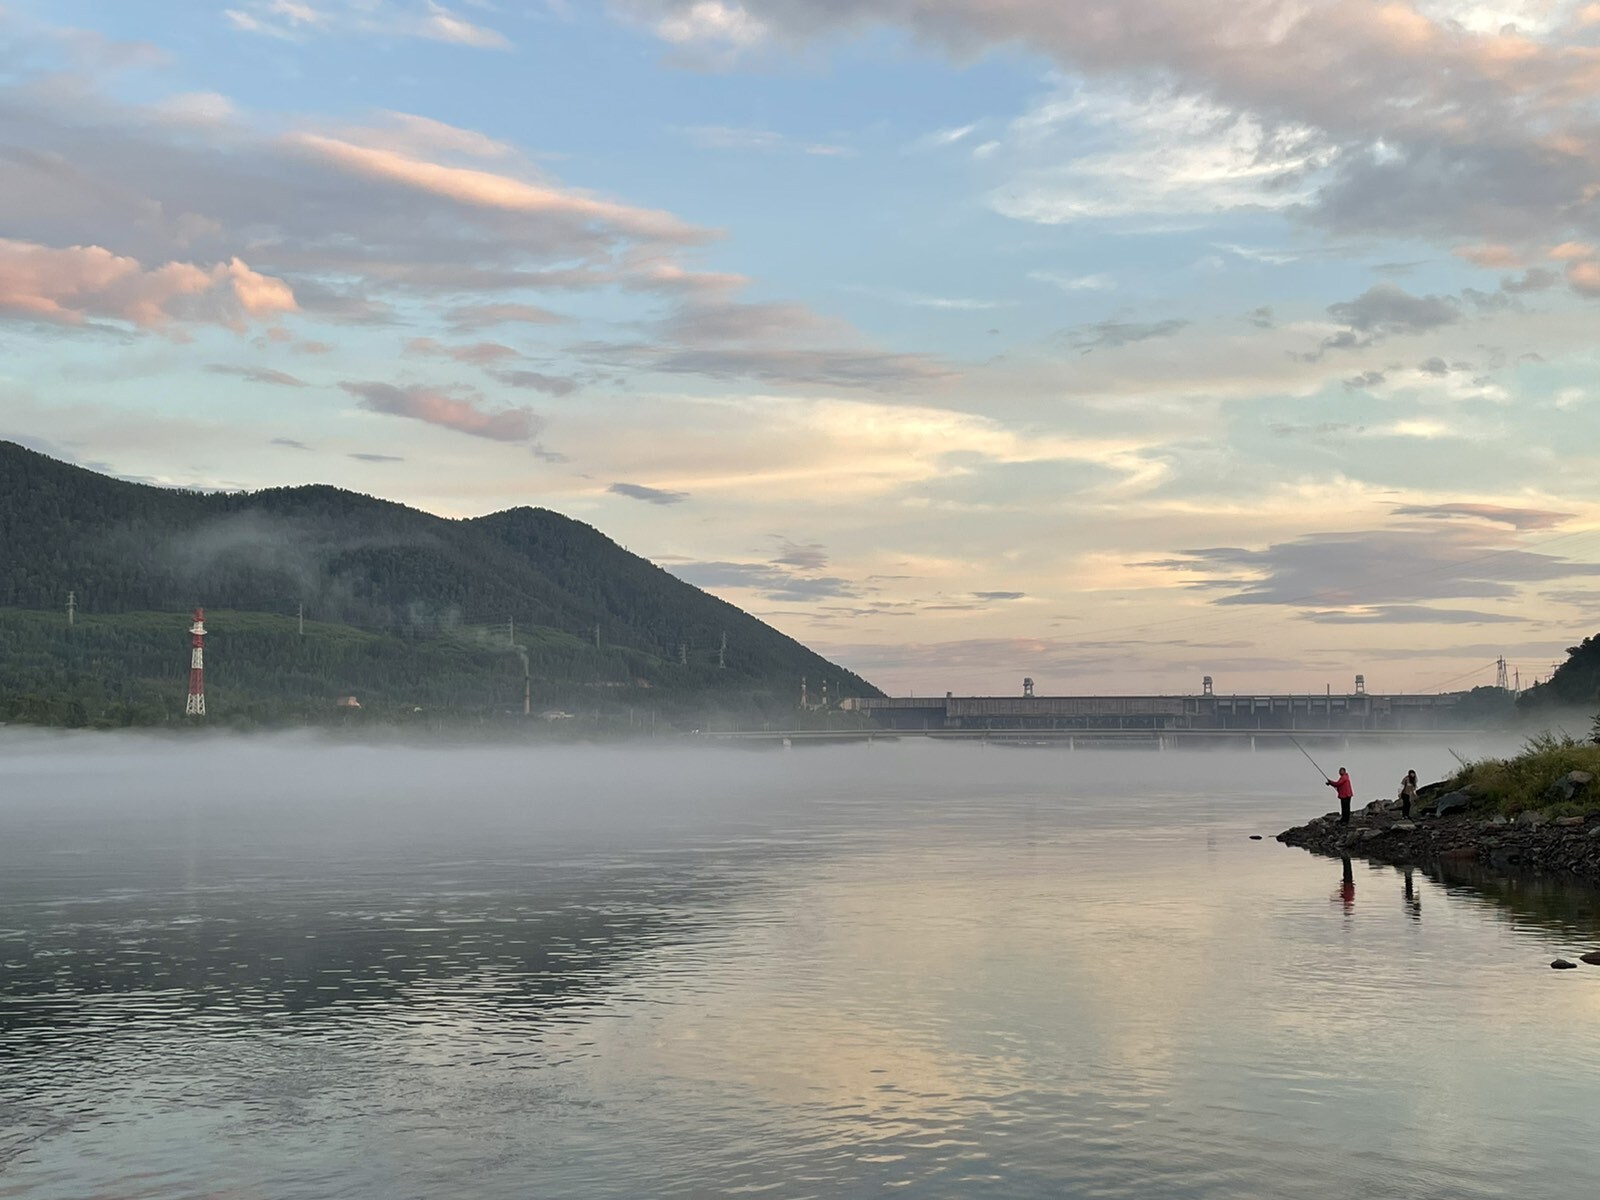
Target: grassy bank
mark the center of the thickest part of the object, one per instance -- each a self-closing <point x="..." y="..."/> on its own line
<point x="1528" y="780"/>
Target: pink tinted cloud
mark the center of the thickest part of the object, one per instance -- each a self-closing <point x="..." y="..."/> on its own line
<point x="487" y="189"/>
<point x="69" y="285"/>
<point x="454" y="408"/>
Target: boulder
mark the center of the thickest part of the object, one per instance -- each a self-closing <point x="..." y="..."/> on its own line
<point x="1499" y="819"/>
<point x="1595" y="832"/>
<point x="1569" y="786"/>
<point x="1454" y="802"/>
<point x="1531" y="818"/>
<point x="1569" y="822"/>
<point x="1592" y="958"/>
<point x="1368" y="834"/>
<point x="1562" y="964"/>
<point x="1403" y="826"/>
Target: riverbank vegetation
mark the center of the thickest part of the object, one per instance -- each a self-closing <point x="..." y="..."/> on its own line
<point x="1545" y="777"/>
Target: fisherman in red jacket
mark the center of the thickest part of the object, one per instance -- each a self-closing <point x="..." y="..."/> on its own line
<point x="1345" y="790"/>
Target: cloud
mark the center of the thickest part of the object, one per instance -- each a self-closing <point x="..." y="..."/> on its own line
<point x="698" y="323"/>
<point x="1586" y="599"/>
<point x="1074" y="283"/>
<point x="450" y="408"/>
<point x="442" y="25"/>
<point x="810" y="556"/>
<point x="1370" y="568"/>
<point x="1516" y="518"/>
<point x="1382" y="311"/>
<point x="923" y="300"/>
<point x="1385" y="309"/>
<point x="292" y="20"/>
<point x="348" y="217"/>
<point x="944" y="137"/>
<point x="480" y="354"/>
<point x="1496" y="256"/>
<point x="769" y="342"/>
<point x="1371" y="117"/>
<point x="1534" y="279"/>
<point x="257" y="375"/>
<point x="844" y="368"/>
<point x="1111" y="334"/>
<point x="550" y="385"/>
<point x="290" y="443"/>
<point x="710" y="22"/>
<point x="650" y="495"/>
<point x="376" y="458"/>
<point x="771" y="582"/>
<point x="996" y="596"/>
<point x="471" y="317"/>
<point x="477" y="188"/>
<point x="729" y="137"/>
<point x="1080" y="155"/>
<point x="73" y="285"/>
<point x="1409" y="614"/>
<point x="1367" y="379"/>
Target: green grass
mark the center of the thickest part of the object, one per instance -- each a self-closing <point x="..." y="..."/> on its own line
<point x="1514" y="785"/>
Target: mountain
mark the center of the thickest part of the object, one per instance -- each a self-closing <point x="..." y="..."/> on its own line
<point x="384" y="590"/>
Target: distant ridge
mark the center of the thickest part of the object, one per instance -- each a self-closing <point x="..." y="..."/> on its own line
<point x="390" y="571"/>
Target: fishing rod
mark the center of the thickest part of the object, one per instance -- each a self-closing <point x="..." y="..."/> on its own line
<point x="1307" y="753"/>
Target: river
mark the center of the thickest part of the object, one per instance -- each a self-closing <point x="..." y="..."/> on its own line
<point x="275" y="968"/>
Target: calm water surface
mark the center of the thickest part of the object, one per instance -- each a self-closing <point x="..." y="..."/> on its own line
<point x="273" y="969"/>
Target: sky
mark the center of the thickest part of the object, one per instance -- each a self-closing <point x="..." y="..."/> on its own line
<point x="1111" y="343"/>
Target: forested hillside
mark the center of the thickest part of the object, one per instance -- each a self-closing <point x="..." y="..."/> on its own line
<point x="411" y="609"/>
<point x="1575" y="683"/>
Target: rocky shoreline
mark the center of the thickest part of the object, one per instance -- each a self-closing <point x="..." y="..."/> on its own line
<point x="1454" y="827"/>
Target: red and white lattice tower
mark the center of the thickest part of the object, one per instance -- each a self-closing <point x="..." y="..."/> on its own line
<point x="197" y="667"/>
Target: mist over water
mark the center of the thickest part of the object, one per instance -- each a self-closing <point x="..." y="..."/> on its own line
<point x="280" y="967"/>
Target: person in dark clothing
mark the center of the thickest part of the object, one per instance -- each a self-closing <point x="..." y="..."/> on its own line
<point x="1408" y="793"/>
<point x="1344" y="789"/>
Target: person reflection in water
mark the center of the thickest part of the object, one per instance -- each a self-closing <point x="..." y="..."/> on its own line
<point x="1347" y="886"/>
<point x="1413" y="901"/>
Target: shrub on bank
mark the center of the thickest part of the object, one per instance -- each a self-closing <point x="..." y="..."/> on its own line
<point x="1531" y="780"/>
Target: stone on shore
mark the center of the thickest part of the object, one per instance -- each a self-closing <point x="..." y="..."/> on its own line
<point x="1592" y="958"/>
<point x="1562" y="964"/>
<point x="1454" y="802"/>
<point x="1573" y="783"/>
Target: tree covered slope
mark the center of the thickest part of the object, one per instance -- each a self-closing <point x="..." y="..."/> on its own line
<point x="586" y="612"/>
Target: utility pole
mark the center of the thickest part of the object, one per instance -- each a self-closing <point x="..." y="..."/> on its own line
<point x="1500" y="680"/>
<point x="72" y="608"/>
<point x="301" y="618"/>
<point x="597" y="637"/>
<point x="722" y="652"/>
